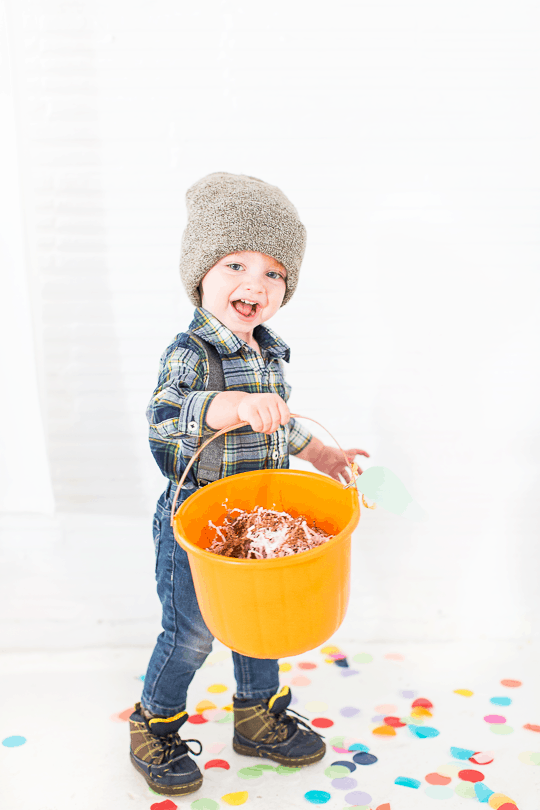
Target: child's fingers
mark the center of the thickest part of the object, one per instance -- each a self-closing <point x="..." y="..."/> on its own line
<point x="355" y="452"/>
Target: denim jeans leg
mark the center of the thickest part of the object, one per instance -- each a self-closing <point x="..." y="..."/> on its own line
<point x="185" y="642"/>
<point x="255" y="677"/>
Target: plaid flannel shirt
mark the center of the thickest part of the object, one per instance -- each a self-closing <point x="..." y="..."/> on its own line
<point x="180" y="402"/>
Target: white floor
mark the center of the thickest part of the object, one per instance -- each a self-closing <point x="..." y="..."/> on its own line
<point x="79" y="614"/>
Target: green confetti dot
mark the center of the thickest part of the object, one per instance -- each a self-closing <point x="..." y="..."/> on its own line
<point x="337" y="741"/>
<point x="264" y="767"/>
<point x="250" y="773"/>
<point x="335" y="771"/>
<point x="229" y="718"/>
<point x="284" y="770"/>
<point x="501" y="728"/>
<point x="465" y="790"/>
<point x="204" y="804"/>
<point x="362" y="658"/>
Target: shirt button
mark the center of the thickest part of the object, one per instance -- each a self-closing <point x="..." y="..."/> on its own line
<point x="192" y="427"/>
<point x="275" y="454"/>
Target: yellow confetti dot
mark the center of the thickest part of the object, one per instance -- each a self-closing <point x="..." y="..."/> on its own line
<point x="217" y="687"/>
<point x="228" y="708"/>
<point x="385" y="730"/>
<point x="285" y="667"/>
<point x="240" y="797"/>
<point x="330" y="649"/>
<point x="421" y="711"/>
<point x="464" y="692"/>
<point x="204" y="705"/>
<point x="496" y="799"/>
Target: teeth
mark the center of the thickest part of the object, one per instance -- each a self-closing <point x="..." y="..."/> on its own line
<point x="245" y="301"/>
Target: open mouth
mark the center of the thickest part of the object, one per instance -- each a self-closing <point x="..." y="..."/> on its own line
<point x="245" y="308"/>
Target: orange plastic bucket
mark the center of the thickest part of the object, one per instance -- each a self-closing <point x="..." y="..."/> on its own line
<point x="281" y="606"/>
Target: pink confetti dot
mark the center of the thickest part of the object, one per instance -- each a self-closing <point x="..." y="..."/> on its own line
<point x="394" y="657"/>
<point x="495" y="718"/>
<point x="300" y="680"/>
<point x="386" y="708"/>
<point x="307" y="665"/>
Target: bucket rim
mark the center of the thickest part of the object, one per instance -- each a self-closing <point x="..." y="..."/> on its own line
<point x="291" y="559"/>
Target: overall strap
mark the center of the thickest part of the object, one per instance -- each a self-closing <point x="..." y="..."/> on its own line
<point x="211" y="458"/>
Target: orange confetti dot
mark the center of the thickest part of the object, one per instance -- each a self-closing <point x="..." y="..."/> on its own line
<point x="531" y="727"/>
<point x="437" y="779"/>
<point x="496" y="800"/>
<point x="419" y="711"/>
<point x="385" y="730"/>
<point x="203" y="705"/>
<point x="125" y="715"/>
<point x="510" y="682"/>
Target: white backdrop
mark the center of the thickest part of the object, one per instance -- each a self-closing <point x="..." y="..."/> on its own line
<point x="406" y="134"/>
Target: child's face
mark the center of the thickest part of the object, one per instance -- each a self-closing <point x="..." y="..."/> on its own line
<point x="247" y="275"/>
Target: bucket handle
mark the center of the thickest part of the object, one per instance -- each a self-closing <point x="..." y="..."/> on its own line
<point x="350" y="465"/>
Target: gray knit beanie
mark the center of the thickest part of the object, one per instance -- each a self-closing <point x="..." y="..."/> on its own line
<point x="232" y="212"/>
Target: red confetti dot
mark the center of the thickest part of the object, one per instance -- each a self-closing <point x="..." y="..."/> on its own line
<point x="507" y="806"/>
<point x="532" y="727"/>
<point x="322" y="722"/>
<point x="126" y="714"/>
<point x="395" y="722"/>
<point x="197" y="719"/>
<point x="427" y="704"/>
<point x="306" y="665"/>
<point x="217" y="763"/>
<point x="471" y="776"/>
<point x="166" y="805"/>
<point x="437" y="779"/>
<point x="510" y="682"/>
<point x="482" y="760"/>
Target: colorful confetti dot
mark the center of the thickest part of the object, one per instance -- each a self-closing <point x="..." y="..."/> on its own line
<point x="284" y="770"/>
<point x="217" y="763"/>
<point x="395" y="722"/>
<point x="330" y="648"/>
<point x="501" y="728"/>
<point x="316" y="706"/>
<point x="240" y="797"/>
<point x="166" y="805"/>
<point x="482" y="757"/>
<point x="362" y="758"/>
<point x="435" y="792"/>
<point x="336" y="771"/>
<point x="462" y="753"/>
<point x="203" y="705"/>
<point x="531" y="727"/>
<point x="322" y="722"/>
<point x="124" y="715"/>
<point x="344" y="783"/>
<point x="204" y="804"/>
<point x="217" y="688"/>
<point x="378" y="718"/>
<point x="346" y="673"/>
<point x="337" y="656"/>
<point x="394" y="657"/>
<point x="465" y="790"/>
<point x="423" y="732"/>
<point x="214" y="715"/>
<point x="450" y="769"/>
<point x="464" y="692"/>
<point x="482" y="792"/>
<point x="317" y="796"/>
<point x="14" y="741"/>
<point x="509" y="682"/>
<point x="339" y="741"/>
<point x="362" y="658"/>
<point x="349" y="711"/>
<point x="386" y="708"/>
<point x="358" y="797"/>
<point x="496" y="800"/>
<point x="501" y="701"/>
<point x="250" y="773"/>
<point x="408" y="693"/>
<point x="358" y="746"/>
<point x="437" y="779"/>
<point x="343" y="763"/>
<point x="406" y="781"/>
<point x="507" y="806"/>
<point x="197" y="719"/>
<point x="285" y="667"/>
<point x="530" y="757"/>
<point x="215" y="748"/>
<point x="495" y="718"/>
<point x="300" y="680"/>
<point x="307" y="665"/>
<point x="422" y="703"/>
<point x="384" y="731"/>
<point x="471" y="776"/>
<point x="420" y="711"/>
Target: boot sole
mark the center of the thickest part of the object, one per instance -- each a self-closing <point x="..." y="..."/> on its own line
<point x="289" y="761"/>
<point x="173" y="790"/>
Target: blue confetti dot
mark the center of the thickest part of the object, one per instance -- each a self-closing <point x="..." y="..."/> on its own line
<point x="426" y="731"/>
<point x="462" y="753"/>
<point x="482" y="792"/>
<point x="346" y="764"/>
<point x="317" y="796"/>
<point x="438" y="792"/>
<point x="358" y="747"/>
<point x="13" y="742"/>
<point x="501" y="701"/>
<point x="407" y="782"/>
<point x="364" y="759"/>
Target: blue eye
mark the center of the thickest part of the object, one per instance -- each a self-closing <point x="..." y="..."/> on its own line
<point x="235" y="264"/>
<point x="275" y="274"/>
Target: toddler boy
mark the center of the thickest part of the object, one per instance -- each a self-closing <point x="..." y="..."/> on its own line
<point x="241" y="255"/>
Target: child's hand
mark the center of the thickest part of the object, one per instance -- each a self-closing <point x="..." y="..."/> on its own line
<point x="264" y="412"/>
<point x="330" y="461"/>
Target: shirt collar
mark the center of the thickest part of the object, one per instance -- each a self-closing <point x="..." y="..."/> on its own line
<point x="211" y="329"/>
